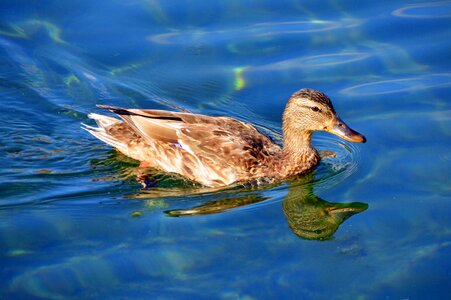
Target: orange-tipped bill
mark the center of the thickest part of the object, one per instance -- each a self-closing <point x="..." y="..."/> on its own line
<point x="345" y="132"/>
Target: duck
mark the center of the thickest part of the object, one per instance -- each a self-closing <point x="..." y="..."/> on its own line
<point x="218" y="151"/>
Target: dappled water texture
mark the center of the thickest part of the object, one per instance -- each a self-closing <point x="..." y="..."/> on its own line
<point x="79" y="220"/>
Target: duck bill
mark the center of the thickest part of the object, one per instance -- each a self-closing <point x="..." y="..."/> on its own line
<point x="342" y="211"/>
<point x="342" y="130"/>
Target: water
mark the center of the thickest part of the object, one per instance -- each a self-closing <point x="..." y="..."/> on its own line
<point x="75" y="221"/>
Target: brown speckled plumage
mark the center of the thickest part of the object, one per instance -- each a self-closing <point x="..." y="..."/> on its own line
<point x="218" y="151"/>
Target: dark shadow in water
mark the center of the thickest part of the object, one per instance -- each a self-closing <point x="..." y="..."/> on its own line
<point x="308" y="216"/>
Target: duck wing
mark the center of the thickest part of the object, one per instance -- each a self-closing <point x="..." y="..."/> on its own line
<point x="221" y="144"/>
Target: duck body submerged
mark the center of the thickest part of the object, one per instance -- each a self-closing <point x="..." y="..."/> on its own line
<point x="219" y="151"/>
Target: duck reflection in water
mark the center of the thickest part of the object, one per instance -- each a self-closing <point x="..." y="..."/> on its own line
<point x="308" y="216"/>
<point x="313" y="218"/>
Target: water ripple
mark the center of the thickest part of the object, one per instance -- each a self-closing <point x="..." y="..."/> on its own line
<point x="296" y="27"/>
<point x="334" y="170"/>
<point x="434" y="10"/>
<point x="253" y="31"/>
<point x="420" y="82"/>
<point x="315" y="61"/>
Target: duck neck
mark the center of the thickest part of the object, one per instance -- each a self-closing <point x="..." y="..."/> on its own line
<point x="299" y="154"/>
<point x="298" y="145"/>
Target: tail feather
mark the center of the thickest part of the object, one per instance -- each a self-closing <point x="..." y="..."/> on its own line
<point x="103" y="121"/>
<point x="101" y="133"/>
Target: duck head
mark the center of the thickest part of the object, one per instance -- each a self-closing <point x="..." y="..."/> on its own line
<point x="309" y="110"/>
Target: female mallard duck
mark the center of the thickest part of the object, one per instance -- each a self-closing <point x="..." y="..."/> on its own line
<point x="218" y="151"/>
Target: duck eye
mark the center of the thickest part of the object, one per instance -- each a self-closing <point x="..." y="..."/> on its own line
<point x="315" y="108"/>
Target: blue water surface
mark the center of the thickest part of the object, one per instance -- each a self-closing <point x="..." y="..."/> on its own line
<point x="75" y="221"/>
